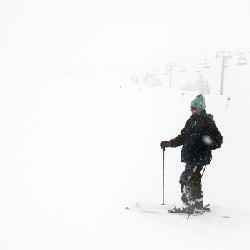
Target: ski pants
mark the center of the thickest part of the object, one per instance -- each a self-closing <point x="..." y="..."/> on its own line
<point x="190" y="181"/>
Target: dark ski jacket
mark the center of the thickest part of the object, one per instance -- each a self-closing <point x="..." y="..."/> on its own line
<point x="195" y="149"/>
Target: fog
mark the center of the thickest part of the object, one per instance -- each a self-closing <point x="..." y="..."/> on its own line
<point x="107" y="38"/>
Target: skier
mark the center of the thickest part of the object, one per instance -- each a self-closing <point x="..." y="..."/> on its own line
<point x="198" y="138"/>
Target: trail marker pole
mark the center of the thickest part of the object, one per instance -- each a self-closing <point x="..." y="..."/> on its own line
<point x="163" y="177"/>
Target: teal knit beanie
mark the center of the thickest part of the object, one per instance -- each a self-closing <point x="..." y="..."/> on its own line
<point x="199" y="102"/>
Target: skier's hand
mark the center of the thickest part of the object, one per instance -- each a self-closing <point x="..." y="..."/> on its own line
<point x="165" y="144"/>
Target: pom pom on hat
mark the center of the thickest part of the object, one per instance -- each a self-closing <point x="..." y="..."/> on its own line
<point x="199" y="102"/>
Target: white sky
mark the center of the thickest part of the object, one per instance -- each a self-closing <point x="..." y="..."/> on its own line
<point x="86" y="37"/>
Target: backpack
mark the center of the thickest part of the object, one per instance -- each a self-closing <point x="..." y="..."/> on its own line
<point x="213" y="132"/>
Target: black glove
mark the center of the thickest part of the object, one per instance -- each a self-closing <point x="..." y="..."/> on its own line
<point x="165" y="144"/>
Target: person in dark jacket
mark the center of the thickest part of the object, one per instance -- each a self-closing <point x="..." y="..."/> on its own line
<point x="198" y="138"/>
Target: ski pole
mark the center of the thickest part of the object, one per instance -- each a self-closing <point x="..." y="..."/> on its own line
<point x="163" y="176"/>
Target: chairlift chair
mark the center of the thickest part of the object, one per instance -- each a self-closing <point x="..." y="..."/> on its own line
<point x="206" y="66"/>
<point x="242" y="61"/>
<point x="181" y="69"/>
<point x="198" y="69"/>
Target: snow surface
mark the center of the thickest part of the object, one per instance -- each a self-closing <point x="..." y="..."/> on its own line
<point x="73" y="157"/>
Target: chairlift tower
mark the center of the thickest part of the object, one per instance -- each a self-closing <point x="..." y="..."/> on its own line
<point x="225" y="55"/>
<point x="169" y="68"/>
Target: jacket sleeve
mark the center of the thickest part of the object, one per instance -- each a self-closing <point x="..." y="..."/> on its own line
<point x="178" y="140"/>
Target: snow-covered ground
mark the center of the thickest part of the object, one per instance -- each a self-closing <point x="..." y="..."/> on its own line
<point x="73" y="157"/>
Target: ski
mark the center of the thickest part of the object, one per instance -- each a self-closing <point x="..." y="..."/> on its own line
<point x="150" y="209"/>
<point x="173" y="209"/>
<point x="190" y="210"/>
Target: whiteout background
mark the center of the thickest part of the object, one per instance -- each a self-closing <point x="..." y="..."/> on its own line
<point x="111" y="37"/>
<point x="76" y="149"/>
